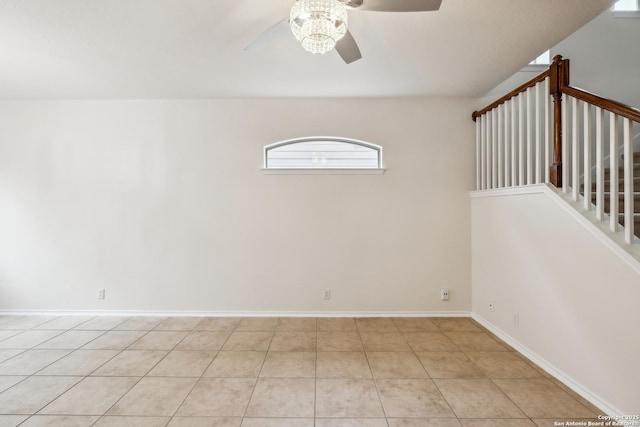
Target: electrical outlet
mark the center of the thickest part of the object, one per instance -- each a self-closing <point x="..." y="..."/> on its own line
<point x="327" y="295"/>
<point x="492" y="307"/>
<point x="444" y="294"/>
<point x="516" y="319"/>
<point x="100" y="293"/>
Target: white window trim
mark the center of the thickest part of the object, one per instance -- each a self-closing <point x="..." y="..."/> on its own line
<point x="626" y="14"/>
<point x="322" y="171"/>
<point x="327" y="171"/>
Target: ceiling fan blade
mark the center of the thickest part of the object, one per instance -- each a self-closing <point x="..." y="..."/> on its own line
<point x="269" y="36"/>
<point x="348" y="48"/>
<point x="400" y="5"/>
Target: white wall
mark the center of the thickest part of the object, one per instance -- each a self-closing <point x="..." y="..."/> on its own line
<point x="577" y="301"/>
<point x="163" y="203"/>
<point x="605" y="59"/>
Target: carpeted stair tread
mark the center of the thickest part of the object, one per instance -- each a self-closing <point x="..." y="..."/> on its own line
<point x="607" y="194"/>
<point x="607" y="198"/>
<point x="607" y="185"/>
<point x="636" y="171"/>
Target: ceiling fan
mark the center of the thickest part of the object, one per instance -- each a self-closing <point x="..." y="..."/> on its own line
<point x="321" y="25"/>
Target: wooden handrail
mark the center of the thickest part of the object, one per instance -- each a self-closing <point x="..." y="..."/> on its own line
<point x="604" y="103"/>
<point x="522" y="88"/>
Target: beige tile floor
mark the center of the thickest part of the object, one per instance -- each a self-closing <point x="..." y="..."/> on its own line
<point x="287" y="372"/>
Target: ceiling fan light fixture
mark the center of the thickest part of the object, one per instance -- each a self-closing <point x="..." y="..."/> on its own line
<point x="318" y="24"/>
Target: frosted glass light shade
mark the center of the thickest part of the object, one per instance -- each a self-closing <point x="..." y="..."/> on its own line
<point x="318" y="24"/>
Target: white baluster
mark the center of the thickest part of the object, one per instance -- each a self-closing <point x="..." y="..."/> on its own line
<point x="521" y="98"/>
<point x="599" y="163"/>
<point x="548" y="149"/>
<point x="487" y="128"/>
<point x="575" y="163"/>
<point x="530" y="124"/>
<point x="491" y="149"/>
<point x="628" y="181"/>
<point x="494" y="132"/>
<point x="478" y="152"/>
<point x="483" y="152"/>
<point x="613" y="172"/>
<point x="538" y="135"/>
<point x="494" y="150"/>
<point x="586" y="144"/>
<point x="565" y="144"/>
<point x="507" y="145"/>
<point x="514" y="164"/>
<point x="500" y="141"/>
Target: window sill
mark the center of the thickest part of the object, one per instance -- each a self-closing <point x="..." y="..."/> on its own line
<point x="626" y="14"/>
<point x="312" y="171"/>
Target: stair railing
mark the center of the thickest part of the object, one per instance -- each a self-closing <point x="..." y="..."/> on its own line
<point x="519" y="141"/>
<point x="513" y="137"/>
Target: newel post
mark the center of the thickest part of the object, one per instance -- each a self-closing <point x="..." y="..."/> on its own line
<point x="559" y="77"/>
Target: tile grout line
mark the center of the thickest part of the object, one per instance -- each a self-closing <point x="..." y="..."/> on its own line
<point x="83" y="377"/>
<point x="140" y="378"/>
<point x="429" y="375"/>
<point x="373" y="379"/>
<point x="510" y="400"/>
<point x="44" y="367"/>
<point x="33" y="347"/>
<point x="205" y="369"/>
<point x="255" y="384"/>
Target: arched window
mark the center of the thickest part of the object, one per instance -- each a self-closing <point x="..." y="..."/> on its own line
<point x="322" y="152"/>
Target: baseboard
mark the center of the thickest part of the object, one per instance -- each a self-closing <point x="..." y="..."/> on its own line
<point x="587" y="394"/>
<point x="235" y="313"/>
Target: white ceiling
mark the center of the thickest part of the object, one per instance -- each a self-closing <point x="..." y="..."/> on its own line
<point x="193" y="48"/>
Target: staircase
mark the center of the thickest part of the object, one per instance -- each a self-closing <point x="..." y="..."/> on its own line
<point x="548" y="131"/>
<point x="607" y="194"/>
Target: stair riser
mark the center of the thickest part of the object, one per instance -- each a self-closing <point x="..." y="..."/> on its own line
<point x="636" y="224"/>
<point x="636" y="172"/>
<point x="607" y="205"/>
<point x="607" y="185"/>
<point x="636" y="220"/>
